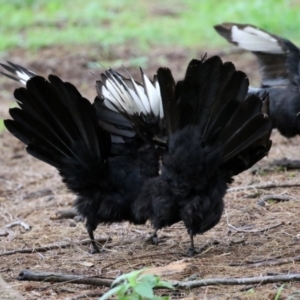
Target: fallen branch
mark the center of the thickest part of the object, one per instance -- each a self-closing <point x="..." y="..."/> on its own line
<point x="28" y="275"/>
<point x="237" y="281"/>
<point x="79" y="279"/>
<point x="255" y="230"/>
<point x="268" y="185"/>
<point x="54" y="246"/>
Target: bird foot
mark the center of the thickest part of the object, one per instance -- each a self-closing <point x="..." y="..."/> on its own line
<point x="191" y="252"/>
<point x="154" y="239"/>
<point x="94" y="249"/>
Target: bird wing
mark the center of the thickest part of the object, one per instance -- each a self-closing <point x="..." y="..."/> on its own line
<point x="278" y="58"/>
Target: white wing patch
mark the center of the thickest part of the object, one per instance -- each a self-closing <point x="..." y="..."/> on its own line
<point x="134" y="99"/>
<point x="253" y="39"/>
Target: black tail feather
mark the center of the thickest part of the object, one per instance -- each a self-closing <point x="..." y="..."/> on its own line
<point x="170" y="103"/>
<point x="213" y="97"/>
<point x="60" y="127"/>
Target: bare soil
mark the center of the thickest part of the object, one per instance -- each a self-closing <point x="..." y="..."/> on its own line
<point x="32" y="191"/>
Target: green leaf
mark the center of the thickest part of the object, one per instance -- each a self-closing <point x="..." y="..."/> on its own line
<point x="133" y="296"/>
<point x="151" y="279"/>
<point x="111" y="292"/>
<point x="129" y="297"/>
<point x="279" y="291"/>
<point x="166" y="284"/>
<point x="2" y="127"/>
<point x="127" y="276"/>
<point x="124" y="289"/>
<point x="144" y="289"/>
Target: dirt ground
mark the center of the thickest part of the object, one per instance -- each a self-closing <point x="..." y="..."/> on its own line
<point x="32" y="192"/>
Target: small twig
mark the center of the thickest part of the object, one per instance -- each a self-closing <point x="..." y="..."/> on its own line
<point x="255" y="230"/>
<point x="273" y="262"/>
<point x="66" y="214"/>
<point x="54" y="246"/>
<point x="286" y="163"/>
<point x="276" y="197"/>
<point x="39" y="194"/>
<point x="28" y="275"/>
<point x="268" y="185"/>
<point x="237" y="281"/>
<point x="21" y="223"/>
<point x="4" y="233"/>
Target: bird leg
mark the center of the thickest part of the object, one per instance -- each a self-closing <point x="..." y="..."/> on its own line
<point x="153" y="238"/>
<point x="95" y="248"/>
<point x="191" y="251"/>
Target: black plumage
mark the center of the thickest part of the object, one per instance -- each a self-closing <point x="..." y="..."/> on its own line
<point x="220" y="134"/>
<point x="278" y="60"/>
<point x="60" y="127"/>
<point x="108" y="153"/>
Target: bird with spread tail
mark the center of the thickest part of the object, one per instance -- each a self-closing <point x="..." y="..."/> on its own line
<point x="157" y="150"/>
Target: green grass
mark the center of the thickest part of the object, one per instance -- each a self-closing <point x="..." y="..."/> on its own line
<point x="139" y="23"/>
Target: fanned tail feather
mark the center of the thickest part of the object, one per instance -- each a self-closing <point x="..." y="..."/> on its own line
<point x="16" y="72"/>
<point x="213" y="97"/>
<point x="151" y="115"/>
<point x="60" y="127"/>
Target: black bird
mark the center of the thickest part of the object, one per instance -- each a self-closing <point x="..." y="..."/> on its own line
<point x="104" y="169"/>
<point x="278" y="60"/>
<point x="220" y="134"/>
<point x="108" y="153"/>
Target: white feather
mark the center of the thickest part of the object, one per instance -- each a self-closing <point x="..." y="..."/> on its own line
<point x="253" y="39"/>
<point x="131" y="97"/>
<point x="23" y="77"/>
<point x="121" y="96"/>
<point x="136" y="99"/>
<point x="142" y="96"/>
<point x="153" y="97"/>
<point x="157" y="87"/>
<point x="110" y="94"/>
